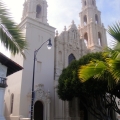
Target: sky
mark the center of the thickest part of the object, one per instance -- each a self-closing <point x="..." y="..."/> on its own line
<point x="62" y="12"/>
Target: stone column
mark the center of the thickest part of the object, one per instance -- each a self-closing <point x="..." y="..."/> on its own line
<point x="2" y="91"/>
<point x="48" y="104"/>
<point x="67" y="110"/>
<point x="48" y="109"/>
<point x="77" y="109"/>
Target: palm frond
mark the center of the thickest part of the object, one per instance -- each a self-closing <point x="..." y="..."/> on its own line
<point x="10" y="35"/>
<point x="113" y="54"/>
<point x="114" y="31"/>
<point x="117" y="46"/>
<point x="114" y="65"/>
<point x="93" y="69"/>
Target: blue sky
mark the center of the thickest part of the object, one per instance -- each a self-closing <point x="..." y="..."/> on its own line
<point x="62" y="12"/>
<point x="110" y="11"/>
<point x="65" y="11"/>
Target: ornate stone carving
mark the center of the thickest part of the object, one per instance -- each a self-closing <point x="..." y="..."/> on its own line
<point x="40" y="94"/>
<point x="43" y="96"/>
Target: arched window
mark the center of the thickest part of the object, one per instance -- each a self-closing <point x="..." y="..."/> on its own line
<point x="96" y="18"/>
<point x="85" y="20"/>
<point x="93" y="2"/>
<point x="60" y="56"/>
<point x="86" y="39"/>
<point x="85" y="3"/>
<point x="38" y="11"/>
<point x="11" y="103"/>
<point x="71" y="57"/>
<point x="99" y="39"/>
<point x="74" y="34"/>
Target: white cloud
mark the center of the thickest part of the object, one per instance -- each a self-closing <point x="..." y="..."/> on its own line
<point x="4" y="51"/>
<point x="62" y="12"/>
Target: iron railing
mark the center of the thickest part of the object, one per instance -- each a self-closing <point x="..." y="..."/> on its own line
<point x="3" y="82"/>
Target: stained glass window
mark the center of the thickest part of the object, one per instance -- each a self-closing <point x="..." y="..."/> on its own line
<point x="71" y="57"/>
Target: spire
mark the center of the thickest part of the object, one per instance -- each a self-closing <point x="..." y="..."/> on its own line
<point x="65" y="28"/>
<point x="73" y="22"/>
<point x="35" y="9"/>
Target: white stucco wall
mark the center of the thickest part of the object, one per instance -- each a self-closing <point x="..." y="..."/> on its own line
<point x="3" y="72"/>
<point x="2" y="91"/>
<point x="36" y="34"/>
<point x="20" y="84"/>
<point x="14" y="87"/>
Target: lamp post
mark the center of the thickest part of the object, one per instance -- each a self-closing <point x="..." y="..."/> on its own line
<point x="49" y="45"/>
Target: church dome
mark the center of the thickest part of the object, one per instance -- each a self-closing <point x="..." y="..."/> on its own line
<point x="72" y="26"/>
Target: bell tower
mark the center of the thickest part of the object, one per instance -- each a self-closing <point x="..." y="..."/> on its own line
<point x="37" y="31"/>
<point x="92" y="29"/>
<point x="36" y="9"/>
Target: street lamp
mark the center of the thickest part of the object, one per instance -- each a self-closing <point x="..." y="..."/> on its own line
<point x="49" y="45"/>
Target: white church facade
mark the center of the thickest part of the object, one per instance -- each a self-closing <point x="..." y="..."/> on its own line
<point x="74" y="41"/>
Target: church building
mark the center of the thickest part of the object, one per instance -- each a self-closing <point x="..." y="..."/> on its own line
<point x="72" y="43"/>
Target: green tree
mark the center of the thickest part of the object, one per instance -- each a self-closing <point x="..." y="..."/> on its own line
<point x="10" y="35"/>
<point x="93" y="94"/>
<point x="69" y="81"/>
<point x="108" y="69"/>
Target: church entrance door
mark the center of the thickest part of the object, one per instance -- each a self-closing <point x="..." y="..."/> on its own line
<point x="38" y="111"/>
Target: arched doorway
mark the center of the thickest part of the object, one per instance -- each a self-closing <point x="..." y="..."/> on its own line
<point x="38" y="111"/>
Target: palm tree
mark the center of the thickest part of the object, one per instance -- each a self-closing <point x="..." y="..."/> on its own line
<point x="10" y="35"/>
<point x="108" y="69"/>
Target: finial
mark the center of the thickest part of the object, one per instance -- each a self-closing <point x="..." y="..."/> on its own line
<point x="64" y="28"/>
<point x="73" y="22"/>
<point x="56" y="32"/>
<point x="78" y="27"/>
<point x="48" y="91"/>
<point x="48" y="94"/>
